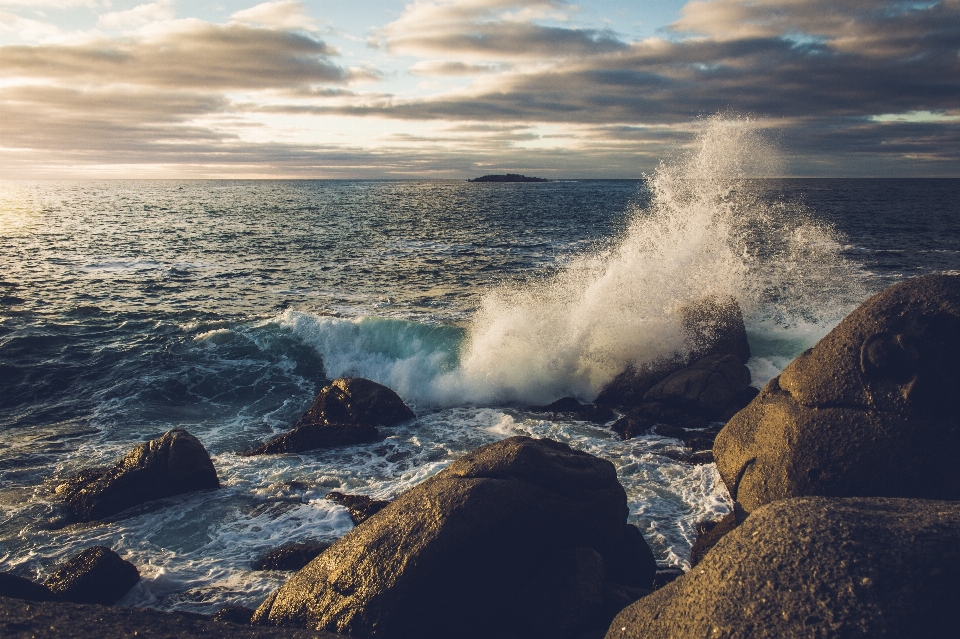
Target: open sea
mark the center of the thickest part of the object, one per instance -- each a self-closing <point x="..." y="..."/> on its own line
<point x="128" y="308"/>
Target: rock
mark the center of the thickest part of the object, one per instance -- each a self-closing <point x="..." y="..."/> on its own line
<point x="711" y="327"/>
<point x="360" y="507"/>
<point x="585" y="412"/>
<point x="871" y="410"/>
<point x="354" y="400"/>
<point x="709" y="533"/>
<point x="234" y="614"/>
<point x="707" y="386"/>
<point x="20" y="588"/>
<point x="566" y="592"/>
<point x="344" y="413"/>
<point x="816" y="567"/>
<point x="292" y="556"/>
<point x="96" y="575"/>
<point x="312" y="436"/>
<point x="666" y="576"/>
<point x="461" y="553"/>
<point x="648" y="416"/>
<point x="173" y="464"/>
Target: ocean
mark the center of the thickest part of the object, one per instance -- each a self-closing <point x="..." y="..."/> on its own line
<point x="128" y="308"/>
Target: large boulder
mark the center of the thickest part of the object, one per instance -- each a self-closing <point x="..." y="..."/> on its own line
<point x="522" y="537"/>
<point x="346" y="412"/>
<point x="96" y="575"/>
<point x="708" y="386"/>
<point x="173" y="464"/>
<point x="816" y="567"/>
<point x="712" y="326"/>
<point x="871" y="410"/>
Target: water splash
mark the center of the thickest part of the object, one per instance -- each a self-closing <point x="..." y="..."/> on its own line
<point x="706" y="232"/>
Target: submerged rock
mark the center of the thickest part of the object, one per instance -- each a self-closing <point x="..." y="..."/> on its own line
<point x="346" y="412"/>
<point x="360" y="507"/>
<point x="21" y="588"/>
<point x="571" y="406"/>
<point x="713" y="326"/>
<point x="96" y="575"/>
<point x="816" y="567"/>
<point x="173" y="464"/>
<point x="292" y="556"/>
<point x="871" y="410"/>
<point x="516" y="533"/>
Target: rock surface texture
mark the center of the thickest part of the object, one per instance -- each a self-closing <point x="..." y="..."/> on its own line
<point x="96" y="575"/>
<point x="21" y="588"/>
<point x="713" y="326"/>
<point x="346" y="412"/>
<point x="871" y="410"/>
<point x="522" y="537"/>
<point x="816" y="567"/>
<point x="360" y="507"/>
<point x="292" y="556"/>
<point x="173" y="464"/>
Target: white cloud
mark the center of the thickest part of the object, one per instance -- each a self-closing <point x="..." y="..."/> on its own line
<point x="138" y="16"/>
<point x="28" y="30"/>
<point x="278" y="14"/>
<point x="54" y="4"/>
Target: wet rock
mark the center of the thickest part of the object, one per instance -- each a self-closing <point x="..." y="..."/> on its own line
<point x="871" y="410"/>
<point x="313" y="436"/>
<point x="292" y="556"/>
<point x="461" y="552"/>
<point x="711" y="327"/>
<point x="706" y="387"/>
<point x="344" y="413"/>
<point x="816" y="567"/>
<point x="571" y="406"/>
<point x="354" y="400"/>
<point x="96" y="575"/>
<point x="234" y="614"/>
<point x="173" y="464"/>
<point x="648" y="416"/>
<point x="21" y="588"/>
<point x="360" y="507"/>
<point x="666" y="576"/>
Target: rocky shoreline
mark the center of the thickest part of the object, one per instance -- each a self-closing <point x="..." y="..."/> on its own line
<point x="843" y="470"/>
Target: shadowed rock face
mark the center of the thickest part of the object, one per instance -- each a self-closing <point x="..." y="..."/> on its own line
<point x="816" y="567"/>
<point x="473" y="551"/>
<point x="173" y="464"/>
<point x="872" y="410"/>
<point x="96" y="575"/>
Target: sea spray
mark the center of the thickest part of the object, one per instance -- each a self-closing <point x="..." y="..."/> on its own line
<point x="706" y="232"/>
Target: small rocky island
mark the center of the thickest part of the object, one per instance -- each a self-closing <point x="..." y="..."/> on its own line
<point x="509" y="177"/>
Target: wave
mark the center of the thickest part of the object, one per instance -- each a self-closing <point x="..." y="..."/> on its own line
<point x="709" y="230"/>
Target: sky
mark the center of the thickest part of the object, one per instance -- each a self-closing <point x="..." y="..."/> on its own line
<point x="461" y="88"/>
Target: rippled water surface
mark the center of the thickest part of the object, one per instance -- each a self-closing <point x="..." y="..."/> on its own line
<point x="129" y="308"/>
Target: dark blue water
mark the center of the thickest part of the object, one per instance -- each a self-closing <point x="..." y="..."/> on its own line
<point x="128" y="308"/>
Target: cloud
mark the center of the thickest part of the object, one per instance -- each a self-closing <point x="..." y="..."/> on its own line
<point x="492" y="30"/>
<point x="279" y="14"/>
<point x="444" y="67"/>
<point x="138" y="16"/>
<point x="187" y="53"/>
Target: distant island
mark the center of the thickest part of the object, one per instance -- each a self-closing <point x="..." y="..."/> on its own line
<point x="509" y="177"/>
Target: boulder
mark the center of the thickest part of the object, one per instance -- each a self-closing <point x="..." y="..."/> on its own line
<point x="173" y="464"/>
<point x="360" y="507"/>
<point x="21" y="588"/>
<point x="571" y="406"/>
<point x="344" y="413"/>
<point x="293" y="556"/>
<point x="473" y="551"/>
<point x="871" y="410"/>
<point x="234" y="614"/>
<point x="706" y="387"/>
<point x="816" y="567"/>
<point x="96" y="575"/>
<point x="709" y="533"/>
<point x="713" y="326"/>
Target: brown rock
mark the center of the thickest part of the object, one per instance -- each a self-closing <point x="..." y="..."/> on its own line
<point x="173" y="464"/>
<point x="360" y="507"/>
<point x="96" y="575"/>
<point x="816" y="567"/>
<point x="292" y="556"/>
<point x="457" y="554"/>
<point x="871" y="410"/>
<point x="707" y="386"/>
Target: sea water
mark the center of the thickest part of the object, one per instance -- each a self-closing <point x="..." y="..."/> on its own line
<point x="131" y="307"/>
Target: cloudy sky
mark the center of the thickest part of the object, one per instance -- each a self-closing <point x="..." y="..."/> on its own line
<point x="458" y="88"/>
